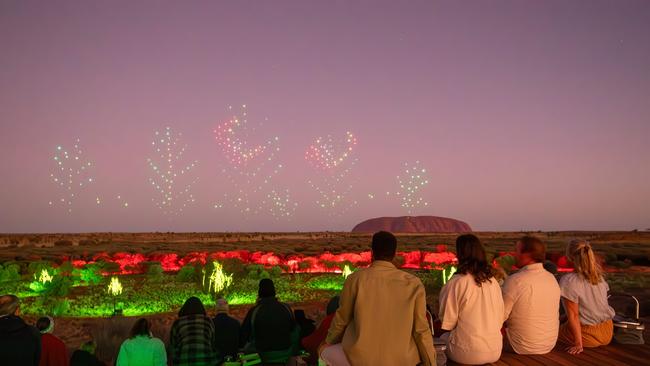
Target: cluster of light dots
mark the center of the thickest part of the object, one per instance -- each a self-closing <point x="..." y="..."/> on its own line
<point x="410" y="183"/>
<point x="326" y="153"/>
<point x="280" y="204"/>
<point x="171" y="176"/>
<point x="231" y="136"/>
<point x="334" y="161"/>
<point x="71" y="174"/>
<point x="251" y="167"/>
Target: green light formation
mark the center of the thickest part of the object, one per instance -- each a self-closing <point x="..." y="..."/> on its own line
<point x="346" y="271"/>
<point x="45" y="277"/>
<point x="219" y="280"/>
<point x="115" y="287"/>
<point x="447" y="276"/>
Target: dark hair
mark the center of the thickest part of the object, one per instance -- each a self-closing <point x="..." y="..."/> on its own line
<point x="141" y="327"/>
<point x="43" y="323"/>
<point x="192" y="306"/>
<point x="333" y="304"/>
<point x="533" y="246"/>
<point x="299" y="314"/>
<point x="472" y="259"/>
<point x="384" y="245"/>
<point x="266" y="288"/>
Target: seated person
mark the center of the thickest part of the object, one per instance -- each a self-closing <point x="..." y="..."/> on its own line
<point x="307" y="326"/>
<point x="269" y="327"/>
<point x="312" y="341"/>
<point x="471" y="307"/>
<point x="584" y="296"/>
<point x="227" y="331"/>
<point x="532" y="300"/>
<point x="53" y="350"/>
<point x="141" y="348"/>
<point x="85" y="355"/>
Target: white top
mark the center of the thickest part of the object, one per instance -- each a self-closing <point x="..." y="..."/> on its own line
<point x="473" y="314"/>
<point x="532" y="310"/>
<point x="591" y="299"/>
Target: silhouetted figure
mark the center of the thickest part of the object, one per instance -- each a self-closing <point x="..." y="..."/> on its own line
<point x="20" y="344"/>
<point x="269" y="327"/>
<point x="307" y="326"/>
<point x="227" y="331"/>
<point x="192" y="340"/>
<point x="85" y="356"/>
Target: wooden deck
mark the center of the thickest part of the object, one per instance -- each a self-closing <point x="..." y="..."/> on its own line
<point x="614" y="354"/>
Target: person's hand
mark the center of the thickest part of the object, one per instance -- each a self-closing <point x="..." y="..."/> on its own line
<point x="574" y="350"/>
<point x="322" y="347"/>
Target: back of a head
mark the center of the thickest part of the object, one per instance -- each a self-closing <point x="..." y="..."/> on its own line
<point x="533" y="246"/>
<point x="8" y="304"/>
<point x="384" y="246"/>
<point x="333" y="305"/>
<point x="222" y="306"/>
<point x="472" y="259"/>
<point x="88" y="346"/>
<point x="45" y="324"/>
<point x="192" y="306"/>
<point x="299" y="314"/>
<point x="266" y="288"/>
<point x="584" y="261"/>
<point x="140" y="328"/>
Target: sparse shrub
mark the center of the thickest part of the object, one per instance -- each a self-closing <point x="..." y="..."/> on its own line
<point x="60" y="307"/>
<point x="10" y="272"/>
<point x="91" y="274"/>
<point x="188" y="273"/>
<point x="154" y="271"/>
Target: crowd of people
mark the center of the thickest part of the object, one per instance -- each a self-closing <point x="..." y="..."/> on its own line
<point x="380" y="318"/>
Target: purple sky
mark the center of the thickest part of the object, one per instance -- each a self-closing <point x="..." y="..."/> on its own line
<point x="526" y="115"/>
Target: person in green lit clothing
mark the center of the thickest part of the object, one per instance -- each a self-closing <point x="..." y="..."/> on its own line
<point x="142" y="349"/>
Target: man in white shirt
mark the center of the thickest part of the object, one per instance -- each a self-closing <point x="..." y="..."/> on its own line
<point x="532" y="301"/>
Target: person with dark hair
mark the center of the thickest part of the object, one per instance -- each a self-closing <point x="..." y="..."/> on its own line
<point x="53" y="350"/>
<point x="227" y="331"/>
<point x="192" y="339"/>
<point x="312" y="341"/>
<point x="307" y="326"/>
<point x="382" y="315"/>
<point x="85" y="355"/>
<point x="531" y="300"/>
<point x="142" y="348"/>
<point x="270" y="328"/>
<point x="471" y="307"/>
<point x="20" y="344"/>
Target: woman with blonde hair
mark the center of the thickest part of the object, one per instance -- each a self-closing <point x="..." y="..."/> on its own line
<point x="584" y="296"/>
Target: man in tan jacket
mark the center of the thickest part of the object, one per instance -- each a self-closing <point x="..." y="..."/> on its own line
<point x="382" y="315"/>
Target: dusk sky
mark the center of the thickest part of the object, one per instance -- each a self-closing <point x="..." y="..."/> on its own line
<point x="524" y="115"/>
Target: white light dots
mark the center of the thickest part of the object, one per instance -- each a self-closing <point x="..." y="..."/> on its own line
<point x="410" y="184"/>
<point x="333" y="161"/>
<point x="172" y="176"/>
<point x="72" y="173"/>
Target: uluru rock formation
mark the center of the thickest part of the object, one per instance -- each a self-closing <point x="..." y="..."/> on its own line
<point x="413" y="224"/>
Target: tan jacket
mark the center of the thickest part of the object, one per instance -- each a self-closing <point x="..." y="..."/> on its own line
<point x="382" y="318"/>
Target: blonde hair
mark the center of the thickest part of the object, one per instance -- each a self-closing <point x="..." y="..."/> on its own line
<point x="584" y="261"/>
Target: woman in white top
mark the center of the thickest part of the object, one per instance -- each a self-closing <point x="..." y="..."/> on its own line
<point x="584" y="296"/>
<point x="471" y="307"/>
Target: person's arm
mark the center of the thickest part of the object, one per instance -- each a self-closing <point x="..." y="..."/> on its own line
<point x="510" y="296"/>
<point x="344" y="313"/>
<point x="573" y="314"/>
<point x="37" y="349"/>
<point x="160" y="354"/>
<point x="246" y="328"/>
<point x="421" y="331"/>
<point x="449" y="308"/>
<point x="122" y="359"/>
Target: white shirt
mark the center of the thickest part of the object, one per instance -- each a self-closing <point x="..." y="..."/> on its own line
<point x="532" y="304"/>
<point x="591" y="299"/>
<point x="475" y="316"/>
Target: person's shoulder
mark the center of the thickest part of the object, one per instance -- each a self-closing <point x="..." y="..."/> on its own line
<point x="571" y="280"/>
